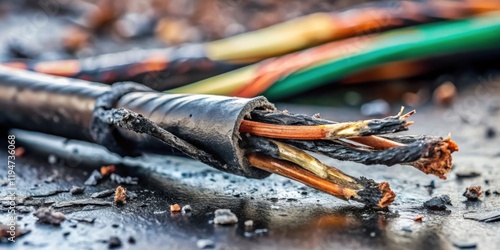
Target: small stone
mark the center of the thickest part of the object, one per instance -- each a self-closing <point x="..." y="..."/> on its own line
<point x="472" y="193"/>
<point x="48" y="216"/>
<point x="175" y="208"/>
<point x="205" y="243"/>
<point x="248" y="224"/>
<point x="120" y="195"/>
<point x="114" y="242"/>
<point x="131" y="240"/>
<point x="94" y="178"/>
<point x="225" y="217"/>
<point x="186" y="209"/>
<point x="438" y="203"/>
<point x="76" y="190"/>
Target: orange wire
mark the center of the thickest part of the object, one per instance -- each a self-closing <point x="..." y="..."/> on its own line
<point x="317" y="132"/>
<point x="283" y="131"/>
<point x="292" y="171"/>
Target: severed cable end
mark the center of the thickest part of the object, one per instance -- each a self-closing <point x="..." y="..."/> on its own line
<point x="400" y="113"/>
<point x="407" y="115"/>
<point x="408" y="123"/>
<point x="376" y="195"/>
<point x="387" y="195"/>
<point x="365" y="190"/>
<point x="453" y="146"/>
<point x="437" y="160"/>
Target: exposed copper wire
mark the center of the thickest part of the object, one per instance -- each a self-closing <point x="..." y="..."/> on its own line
<point x="328" y="131"/>
<point x="382" y="196"/>
<point x="293" y="171"/>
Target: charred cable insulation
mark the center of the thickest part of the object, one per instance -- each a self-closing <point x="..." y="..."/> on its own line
<point x="212" y="129"/>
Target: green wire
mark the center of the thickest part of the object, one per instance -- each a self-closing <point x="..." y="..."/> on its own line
<point x="408" y="43"/>
<point x="412" y="43"/>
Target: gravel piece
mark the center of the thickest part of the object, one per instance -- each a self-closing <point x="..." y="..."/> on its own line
<point x="225" y="217"/>
<point x="175" y="208"/>
<point x="438" y="203"/>
<point x="114" y="242"/>
<point x="121" y="195"/>
<point x="472" y="193"/>
<point x="94" y="178"/>
<point x="249" y="224"/>
<point x="46" y="215"/>
<point x="186" y="209"/>
<point x="76" y="190"/>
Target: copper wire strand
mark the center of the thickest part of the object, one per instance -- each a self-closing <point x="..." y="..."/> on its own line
<point x="435" y="160"/>
<point x="381" y="197"/>
<point x="376" y="142"/>
<point x="310" y="163"/>
<point x="293" y="171"/>
<point x="317" y="132"/>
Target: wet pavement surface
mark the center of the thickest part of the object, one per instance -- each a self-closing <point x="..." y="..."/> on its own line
<point x="285" y="214"/>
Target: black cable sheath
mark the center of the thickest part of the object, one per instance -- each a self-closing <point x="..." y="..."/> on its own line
<point x="64" y="107"/>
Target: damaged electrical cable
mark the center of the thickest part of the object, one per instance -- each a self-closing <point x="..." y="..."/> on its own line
<point x="247" y="137"/>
